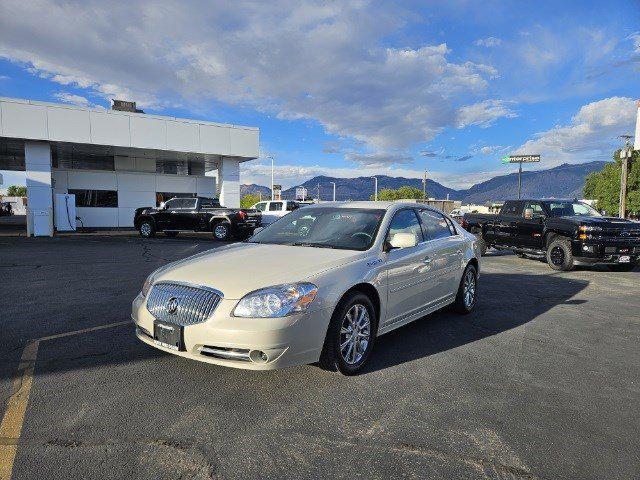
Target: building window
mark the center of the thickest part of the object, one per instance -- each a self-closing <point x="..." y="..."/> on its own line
<point x="81" y="161"/>
<point x="182" y="167"/>
<point x="96" y="198"/>
<point x="164" y="196"/>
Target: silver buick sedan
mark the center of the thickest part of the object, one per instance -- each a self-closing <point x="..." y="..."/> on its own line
<point x="318" y="285"/>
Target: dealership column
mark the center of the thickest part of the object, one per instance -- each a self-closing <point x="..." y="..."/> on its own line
<point x="37" y="161"/>
<point x="229" y="182"/>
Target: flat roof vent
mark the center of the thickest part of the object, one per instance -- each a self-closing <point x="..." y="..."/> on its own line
<point x="125" y="106"/>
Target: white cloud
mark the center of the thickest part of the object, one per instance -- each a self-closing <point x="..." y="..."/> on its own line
<point x="488" y="42"/>
<point x="591" y="134"/>
<point x="298" y="60"/>
<point x="72" y="99"/>
<point x="483" y="114"/>
<point x="4" y="77"/>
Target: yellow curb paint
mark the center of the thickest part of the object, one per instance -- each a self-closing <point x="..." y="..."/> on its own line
<point x="13" y="419"/>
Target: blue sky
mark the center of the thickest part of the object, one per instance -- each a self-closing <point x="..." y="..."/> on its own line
<point x="348" y="88"/>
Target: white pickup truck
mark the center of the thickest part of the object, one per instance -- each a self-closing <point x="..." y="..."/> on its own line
<point x="272" y="210"/>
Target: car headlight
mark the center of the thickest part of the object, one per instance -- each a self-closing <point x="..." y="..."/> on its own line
<point x="278" y="301"/>
<point x="146" y="286"/>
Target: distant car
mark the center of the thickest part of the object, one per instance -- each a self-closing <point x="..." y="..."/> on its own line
<point x="6" y="210"/>
<point x="319" y="285"/>
<point x="200" y="214"/>
<point x="272" y="210"/>
<point x="567" y="232"/>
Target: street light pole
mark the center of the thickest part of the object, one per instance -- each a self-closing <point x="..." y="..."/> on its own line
<point x="424" y="186"/>
<point x="334" y="191"/>
<point x="375" y="197"/>
<point x="625" y="155"/>
<point x="272" y="182"/>
<point x="519" y="180"/>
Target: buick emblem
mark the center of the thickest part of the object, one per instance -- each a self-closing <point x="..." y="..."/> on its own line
<point x="172" y="305"/>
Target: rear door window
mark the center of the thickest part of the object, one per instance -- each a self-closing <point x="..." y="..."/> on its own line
<point x="275" y="206"/>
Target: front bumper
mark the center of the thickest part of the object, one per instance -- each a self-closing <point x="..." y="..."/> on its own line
<point x="239" y="342"/>
<point x="609" y="252"/>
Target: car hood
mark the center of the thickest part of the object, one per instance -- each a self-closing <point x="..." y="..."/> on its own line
<point x="240" y="268"/>
<point x="614" y="222"/>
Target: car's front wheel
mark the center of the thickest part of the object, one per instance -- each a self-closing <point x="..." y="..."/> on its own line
<point x="559" y="255"/>
<point x="146" y="229"/>
<point x="350" y="336"/>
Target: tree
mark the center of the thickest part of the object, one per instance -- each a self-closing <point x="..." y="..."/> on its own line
<point x="604" y="186"/>
<point x="248" y="200"/>
<point x="389" y="194"/>
<point x="17" y="191"/>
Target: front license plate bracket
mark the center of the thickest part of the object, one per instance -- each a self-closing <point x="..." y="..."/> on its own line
<point x="168" y="335"/>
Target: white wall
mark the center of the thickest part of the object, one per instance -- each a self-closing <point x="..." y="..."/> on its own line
<point x="34" y="120"/>
<point x="135" y="189"/>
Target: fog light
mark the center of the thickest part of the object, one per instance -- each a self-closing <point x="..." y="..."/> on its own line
<point x="588" y="248"/>
<point x="585" y="248"/>
<point x="258" y="356"/>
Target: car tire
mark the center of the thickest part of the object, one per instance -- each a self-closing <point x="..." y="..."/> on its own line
<point x="221" y="231"/>
<point x="559" y="256"/>
<point x="622" y="267"/>
<point x="171" y="234"/>
<point x="343" y="348"/>
<point x="467" y="291"/>
<point x="146" y="229"/>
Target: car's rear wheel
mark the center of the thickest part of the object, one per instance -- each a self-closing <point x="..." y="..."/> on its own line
<point x="467" y="291"/>
<point x="222" y="231"/>
<point x="146" y="229"/>
<point x="350" y="336"/>
<point x="559" y="255"/>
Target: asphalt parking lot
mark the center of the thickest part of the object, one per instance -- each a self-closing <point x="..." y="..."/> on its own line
<point x="541" y="381"/>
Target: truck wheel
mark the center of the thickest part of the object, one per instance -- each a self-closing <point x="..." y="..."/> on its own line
<point x="482" y="245"/>
<point x="146" y="229"/>
<point x="222" y="231"/>
<point x="559" y="256"/>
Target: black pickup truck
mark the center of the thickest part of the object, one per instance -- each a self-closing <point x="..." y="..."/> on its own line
<point x="565" y="231"/>
<point x="199" y="214"/>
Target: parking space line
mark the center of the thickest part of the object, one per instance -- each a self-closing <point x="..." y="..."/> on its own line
<point x="13" y="419"/>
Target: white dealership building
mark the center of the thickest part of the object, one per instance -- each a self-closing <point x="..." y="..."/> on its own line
<point x="115" y="161"/>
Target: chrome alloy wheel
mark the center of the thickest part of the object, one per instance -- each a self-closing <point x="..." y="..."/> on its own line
<point x="355" y="334"/>
<point x="220" y="231"/>
<point x="469" y="289"/>
<point x="145" y="229"/>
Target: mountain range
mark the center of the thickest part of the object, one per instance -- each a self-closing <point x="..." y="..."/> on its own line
<point x="566" y="180"/>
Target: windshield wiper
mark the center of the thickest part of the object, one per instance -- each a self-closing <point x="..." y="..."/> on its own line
<point x="308" y="244"/>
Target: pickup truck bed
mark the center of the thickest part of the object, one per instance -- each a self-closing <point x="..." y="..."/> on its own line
<point x="567" y="232"/>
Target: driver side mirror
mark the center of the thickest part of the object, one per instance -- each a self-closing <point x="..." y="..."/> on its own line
<point x="403" y="240"/>
<point x="528" y="213"/>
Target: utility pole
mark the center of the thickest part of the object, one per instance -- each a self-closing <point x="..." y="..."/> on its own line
<point x="318" y="193"/>
<point x="625" y="155"/>
<point x="334" y="191"/>
<point x="424" y="186"/>
<point x="271" y="157"/>
<point x="519" y="180"/>
<point x="375" y="196"/>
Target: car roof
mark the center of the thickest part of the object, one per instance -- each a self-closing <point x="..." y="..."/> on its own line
<point x="370" y="205"/>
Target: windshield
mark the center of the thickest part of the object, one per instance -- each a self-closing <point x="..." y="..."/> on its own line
<point x="571" y="209"/>
<point x="344" y="228"/>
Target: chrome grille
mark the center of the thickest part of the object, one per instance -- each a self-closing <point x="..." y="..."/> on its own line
<point x="182" y="304"/>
